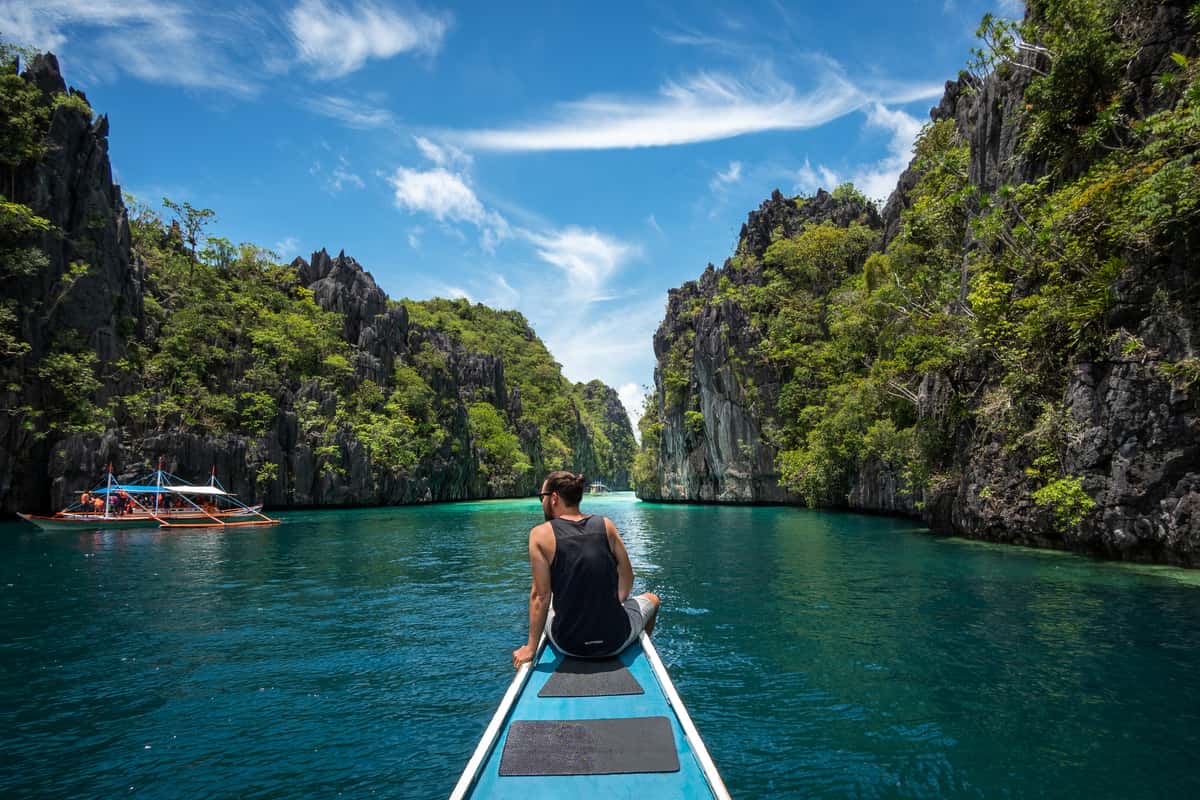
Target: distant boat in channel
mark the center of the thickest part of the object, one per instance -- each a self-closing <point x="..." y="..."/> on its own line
<point x="159" y="499"/>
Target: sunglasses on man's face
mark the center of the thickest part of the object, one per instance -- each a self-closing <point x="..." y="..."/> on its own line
<point x="544" y="494"/>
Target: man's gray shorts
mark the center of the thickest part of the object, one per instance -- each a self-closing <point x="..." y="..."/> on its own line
<point x="639" y="609"/>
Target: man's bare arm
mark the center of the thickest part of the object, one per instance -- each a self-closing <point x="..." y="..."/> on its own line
<point x="624" y="568"/>
<point x="539" y="597"/>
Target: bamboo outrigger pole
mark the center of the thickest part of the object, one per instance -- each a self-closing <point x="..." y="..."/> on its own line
<point x="215" y="484"/>
<point x="199" y="508"/>
<point x="153" y="514"/>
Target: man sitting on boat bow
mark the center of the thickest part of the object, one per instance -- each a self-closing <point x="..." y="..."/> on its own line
<point x="581" y="579"/>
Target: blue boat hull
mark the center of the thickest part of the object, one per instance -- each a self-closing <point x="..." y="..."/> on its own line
<point x="693" y="780"/>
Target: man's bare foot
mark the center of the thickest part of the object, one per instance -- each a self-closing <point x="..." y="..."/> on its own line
<point x="653" y="614"/>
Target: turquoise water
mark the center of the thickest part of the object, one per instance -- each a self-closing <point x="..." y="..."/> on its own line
<point x="361" y="653"/>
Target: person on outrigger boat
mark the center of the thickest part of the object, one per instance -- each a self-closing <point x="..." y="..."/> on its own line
<point x="581" y="579"/>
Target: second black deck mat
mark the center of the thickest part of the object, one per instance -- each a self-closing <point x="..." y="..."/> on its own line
<point x="589" y="747"/>
<point x="590" y="677"/>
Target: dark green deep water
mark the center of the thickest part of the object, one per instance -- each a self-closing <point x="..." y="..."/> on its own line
<point x="361" y="653"/>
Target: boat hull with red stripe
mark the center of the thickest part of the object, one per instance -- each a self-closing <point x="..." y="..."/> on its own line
<point x="78" y="521"/>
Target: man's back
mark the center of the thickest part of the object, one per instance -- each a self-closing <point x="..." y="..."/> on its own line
<point x="581" y="562"/>
<point x="588" y="617"/>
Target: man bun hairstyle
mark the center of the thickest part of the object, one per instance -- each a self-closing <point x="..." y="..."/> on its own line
<point x="568" y="485"/>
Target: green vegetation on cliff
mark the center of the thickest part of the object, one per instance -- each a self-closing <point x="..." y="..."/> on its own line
<point x="613" y="438"/>
<point x="232" y="338"/>
<point x="227" y="329"/>
<point x="547" y="400"/>
<point x="857" y="343"/>
<point x="971" y="315"/>
<point x="646" y="461"/>
<point x="66" y="369"/>
<point x="193" y="335"/>
<point x="26" y="118"/>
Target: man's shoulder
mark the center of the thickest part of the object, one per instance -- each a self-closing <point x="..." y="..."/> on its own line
<point x="541" y="539"/>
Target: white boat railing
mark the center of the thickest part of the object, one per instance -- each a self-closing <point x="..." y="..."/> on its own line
<point x="486" y="744"/>
<point x="492" y="733"/>
<point x="685" y="721"/>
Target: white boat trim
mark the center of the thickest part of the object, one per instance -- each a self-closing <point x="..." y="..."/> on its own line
<point x="685" y="721"/>
<point x="492" y="733"/>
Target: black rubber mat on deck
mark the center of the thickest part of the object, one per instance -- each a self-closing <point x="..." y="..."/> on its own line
<point x="589" y="747"/>
<point x="590" y="677"/>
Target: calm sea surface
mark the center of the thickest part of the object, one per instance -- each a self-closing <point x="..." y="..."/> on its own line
<point x="361" y="653"/>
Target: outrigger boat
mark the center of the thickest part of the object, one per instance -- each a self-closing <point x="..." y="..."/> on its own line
<point x="162" y="500"/>
<point x="596" y="728"/>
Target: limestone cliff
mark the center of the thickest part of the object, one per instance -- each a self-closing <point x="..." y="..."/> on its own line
<point x="1119" y="425"/>
<point x="86" y="379"/>
<point x="615" y="450"/>
<point x="1133" y="432"/>
<point x="59" y="310"/>
<point x="722" y="450"/>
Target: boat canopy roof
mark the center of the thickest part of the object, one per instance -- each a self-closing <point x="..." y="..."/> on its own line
<point x="141" y="488"/>
<point x="185" y="489"/>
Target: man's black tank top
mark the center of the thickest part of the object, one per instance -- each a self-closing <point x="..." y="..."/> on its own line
<point x="588" y="617"/>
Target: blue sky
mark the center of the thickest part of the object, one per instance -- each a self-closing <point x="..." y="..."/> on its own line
<point x="570" y="160"/>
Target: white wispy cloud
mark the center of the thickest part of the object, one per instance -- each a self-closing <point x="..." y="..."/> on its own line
<point x="589" y="259"/>
<point x="457" y="293"/>
<point x="810" y="178"/>
<point x="580" y="263"/>
<point x="443" y="155"/>
<point x="502" y="294"/>
<point x="341" y="177"/>
<point x="586" y="258"/>
<point x="155" y="41"/>
<point x="729" y="176"/>
<point x="351" y="113"/>
<point x="707" y="107"/>
<point x="690" y="38"/>
<point x="612" y="347"/>
<point x="286" y="247"/>
<point x="898" y="93"/>
<point x="633" y="397"/>
<point x="710" y="43"/>
<point x="337" y="40"/>
<point x="491" y="289"/>
<point x="337" y="179"/>
<point x="447" y="197"/>
<point x="438" y="192"/>
<point x="877" y="179"/>
<point x="653" y="223"/>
